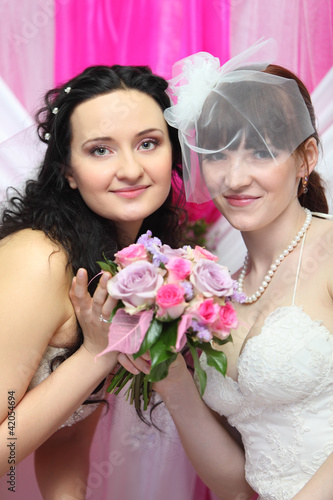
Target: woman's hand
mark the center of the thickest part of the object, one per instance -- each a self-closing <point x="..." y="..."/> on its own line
<point x="92" y="312"/>
<point x="177" y="370"/>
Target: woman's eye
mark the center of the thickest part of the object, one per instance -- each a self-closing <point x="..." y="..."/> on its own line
<point x="148" y="145"/>
<point x="264" y="154"/>
<point x="215" y="157"/>
<point x="100" y="151"/>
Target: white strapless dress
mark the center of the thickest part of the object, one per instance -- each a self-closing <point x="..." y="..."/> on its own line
<point x="282" y="403"/>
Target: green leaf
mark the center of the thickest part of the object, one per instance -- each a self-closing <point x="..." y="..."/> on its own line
<point x="216" y="359"/>
<point x="108" y="265"/>
<point x="169" y="334"/>
<point x="153" y="333"/>
<point x="224" y="341"/>
<point x="197" y="367"/>
<point x="165" y="344"/>
<point x="162" y="352"/>
<point x="159" y="352"/>
<point x="104" y="266"/>
<point x="160" y="371"/>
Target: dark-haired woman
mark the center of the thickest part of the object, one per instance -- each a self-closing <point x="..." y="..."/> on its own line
<point x="248" y="132"/>
<point x="106" y="177"/>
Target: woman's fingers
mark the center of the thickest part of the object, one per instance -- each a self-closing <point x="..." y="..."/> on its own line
<point x="134" y="366"/>
<point x="100" y="294"/>
<point x="100" y="305"/>
<point x="79" y="290"/>
<point x="108" y="307"/>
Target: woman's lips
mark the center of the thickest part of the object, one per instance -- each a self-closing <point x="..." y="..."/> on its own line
<point x="132" y="192"/>
<point x="241" y="201"/>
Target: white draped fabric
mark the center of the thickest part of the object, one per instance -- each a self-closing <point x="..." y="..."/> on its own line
<point x="20" y="149"/>
<point x="27" y="48"/>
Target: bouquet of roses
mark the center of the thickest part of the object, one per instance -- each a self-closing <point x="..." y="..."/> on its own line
<point x="168" y="298"/>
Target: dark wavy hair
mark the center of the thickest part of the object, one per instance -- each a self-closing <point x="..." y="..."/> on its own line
<point x="48" y="203"/>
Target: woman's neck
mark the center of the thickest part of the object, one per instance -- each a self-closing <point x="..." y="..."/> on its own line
<point x="264" y="245"/>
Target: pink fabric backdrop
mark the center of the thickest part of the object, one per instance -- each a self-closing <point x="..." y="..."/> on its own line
<point x="303" y="30"/>
<point x="153" y="32"/>
<point x="159" y="32"/>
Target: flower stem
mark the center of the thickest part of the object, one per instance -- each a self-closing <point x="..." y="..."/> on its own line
<point x="131" y="389"/>
<point x="146" y="393"/>
<point x="128" y="377"/>
<point x="137" y="390"/>
<point x="118" y="377"/>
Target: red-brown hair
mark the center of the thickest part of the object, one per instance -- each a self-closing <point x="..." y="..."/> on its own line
<point x="314" y="199"/>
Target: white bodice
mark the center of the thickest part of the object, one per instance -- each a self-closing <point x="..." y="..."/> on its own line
<point x="44" y="370"/>
<point x="282" y="402"/>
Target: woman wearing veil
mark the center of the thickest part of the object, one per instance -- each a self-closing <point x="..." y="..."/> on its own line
<point x="249" y="142"/>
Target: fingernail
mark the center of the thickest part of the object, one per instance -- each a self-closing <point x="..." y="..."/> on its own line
<point x="105" y="277"/>
<point x="80" y="273"/>
<point x="146" y="369"/>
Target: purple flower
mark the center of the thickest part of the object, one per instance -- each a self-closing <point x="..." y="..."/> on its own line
<point x="153" y="245"/>
<point x="188" y="289"/>
<point x="201" y="332"/>
<point x="136" y="284"/>
<point x="143" y="239"/>
<point x="237" y="296"/>
<point x="149" y="242"/>
<point x="210" y="279"/>
<point x="159" y="258"/>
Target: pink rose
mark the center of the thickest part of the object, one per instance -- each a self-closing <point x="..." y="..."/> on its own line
<point x="179" y="269"/>
<point x="136" y="284"/>
<point x="202" y="253"/>
<point x="173" y="252"/>
<point x="204" y="311"/>
<point x="131" y="254"/>
<point x="210" y="279"/>
<point x="170" y="300"/>
<point x="227" y="319"/>
<point x="208" y="311"/>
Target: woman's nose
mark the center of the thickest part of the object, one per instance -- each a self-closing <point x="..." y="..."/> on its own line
<point x="237" y="174"/>
<point x="129" y="167"/>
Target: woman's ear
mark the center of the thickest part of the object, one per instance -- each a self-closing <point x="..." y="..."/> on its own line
<point x="309" y="158"/>
<point x="71" y="181"/>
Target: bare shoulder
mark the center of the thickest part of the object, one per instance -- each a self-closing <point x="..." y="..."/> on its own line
<point x="322" y="250"/>
<point x="35" y="280"/>
<point x="32" y="251"/>
<point x="34" y="303"/>
<point x="323" y="235"/>
<point x="29" y="239"/>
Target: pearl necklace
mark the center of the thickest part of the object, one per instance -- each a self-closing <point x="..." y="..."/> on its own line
<point x="267" y="279"/>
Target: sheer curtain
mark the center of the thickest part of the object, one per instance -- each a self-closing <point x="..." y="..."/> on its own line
<point x="27" y="48"/>
<point x="302" y="28"/>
